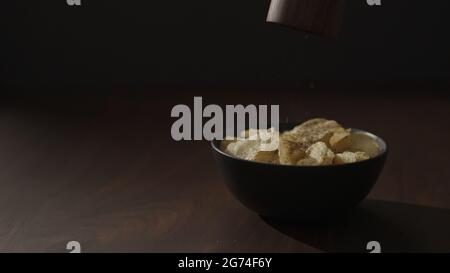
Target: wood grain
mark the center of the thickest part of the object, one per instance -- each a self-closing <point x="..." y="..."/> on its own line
<point x="105" y="172"/>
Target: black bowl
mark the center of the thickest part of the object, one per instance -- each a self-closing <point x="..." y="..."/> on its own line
<point x="301" y="193"/>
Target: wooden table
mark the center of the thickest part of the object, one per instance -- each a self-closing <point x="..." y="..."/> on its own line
<point x="103" y="170"/>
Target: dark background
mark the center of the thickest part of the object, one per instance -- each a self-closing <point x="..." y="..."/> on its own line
<point x="111" y="43"/>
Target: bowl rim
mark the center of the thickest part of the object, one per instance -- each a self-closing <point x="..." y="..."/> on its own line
<point x="383" y="152"/>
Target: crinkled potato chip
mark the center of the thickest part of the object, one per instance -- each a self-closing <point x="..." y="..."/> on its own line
<point x="290" y="151"/>
<point x="224" y="145"/>
<point x="307" y="162"/>
<point x="315" y="142"/>
<point x="270" y="140"/>
<point x="316" y="130"/>
<point x="356" y="142"/>
<point x="338" y="135"/>
<point x="320" y="153"/>
<point x="256" y="145"/>
<point x="309" y="124"/>
<point x="350" y="157"/>
<point x="245" y="149"/>
<point x="266" y="157"/>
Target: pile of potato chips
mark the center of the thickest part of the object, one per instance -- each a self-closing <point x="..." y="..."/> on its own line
<point x="315" y="142"/>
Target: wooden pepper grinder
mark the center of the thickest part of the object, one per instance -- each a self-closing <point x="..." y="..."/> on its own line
<point x="323" y="17"/>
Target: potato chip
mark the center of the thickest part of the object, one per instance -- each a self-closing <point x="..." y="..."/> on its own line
<point x="257" y="145"/>
<point x="337" y="136"/>
<point x="289" y="151"/>
<point x="245" y="149"/>
<point x="270" y="140"/>
<point x="356" y="142"/>
<point x="308" y="162"/>
<point x="317" y="124"/>
<point x="320" y="153"/>
<point x="224" y="145"/>
<point x="315" y="130"/>
<point x="313" y="143"/>
<point x="310" y="124"/>
<point x="266" y="157"/>
<point x="350" y="157"/>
